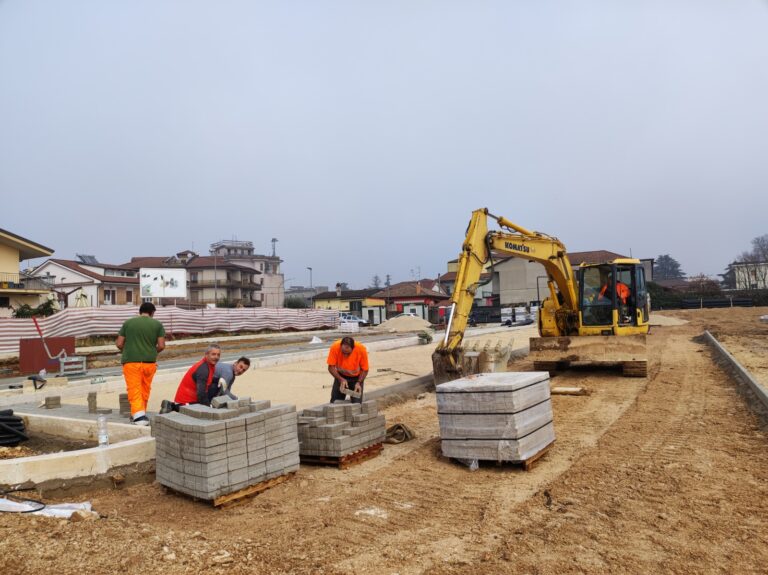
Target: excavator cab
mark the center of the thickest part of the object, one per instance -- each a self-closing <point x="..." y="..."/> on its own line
<point x="613" y="298"/>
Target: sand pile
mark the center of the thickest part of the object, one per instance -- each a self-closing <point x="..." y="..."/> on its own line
<point x="404" y="323"/>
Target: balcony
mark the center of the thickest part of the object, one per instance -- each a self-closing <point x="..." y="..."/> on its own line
<point x="22" y="283"/>
<point x="223" y="284"/>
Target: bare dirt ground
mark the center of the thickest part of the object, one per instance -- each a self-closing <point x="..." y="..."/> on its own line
<point x="665" y="474"/>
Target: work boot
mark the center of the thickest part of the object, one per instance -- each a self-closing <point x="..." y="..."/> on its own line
<point x="141" y="420"/>
<point x="166" y="406"/>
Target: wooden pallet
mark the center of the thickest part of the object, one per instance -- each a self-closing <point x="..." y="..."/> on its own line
<point x="236" y="497"/>
<point x="345" y="461"/>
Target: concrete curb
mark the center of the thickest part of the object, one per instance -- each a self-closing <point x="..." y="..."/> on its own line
<point x="131" y="445"/>
<point x="741" y="374"/>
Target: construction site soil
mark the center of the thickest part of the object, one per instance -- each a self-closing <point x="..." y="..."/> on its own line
<point x="665" y="474"/>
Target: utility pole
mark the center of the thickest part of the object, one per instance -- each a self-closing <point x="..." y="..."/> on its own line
<point x="310" y="277"/>
<point x="215" y="279"/>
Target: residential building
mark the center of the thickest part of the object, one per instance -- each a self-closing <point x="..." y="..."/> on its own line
<point x="210" y="279"/>
<point x="416" y="297"/>
<point x="87" y="283"/>
<point x="750" y="275"/>
<point x="17" y="288"/>
<point x="271" y="279"/>
<point x="362" y="303"/>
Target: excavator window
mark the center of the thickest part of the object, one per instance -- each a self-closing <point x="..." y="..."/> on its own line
<point x="597" y="296"/>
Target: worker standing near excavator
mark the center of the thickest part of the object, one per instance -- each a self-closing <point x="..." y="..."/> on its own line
<point x="348" y="364"/>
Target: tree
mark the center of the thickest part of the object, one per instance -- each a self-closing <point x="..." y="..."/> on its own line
<point x="295" y="302"/>
<point x="376" y="282"/>
<point x="703" y="286"/>
<point x="753" y="265"/>
<point x="667" y="268"/>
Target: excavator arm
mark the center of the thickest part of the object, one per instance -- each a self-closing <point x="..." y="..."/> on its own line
<point x="476" y="252"/>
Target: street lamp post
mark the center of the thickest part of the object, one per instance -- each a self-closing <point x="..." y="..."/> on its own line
<point x="310" y="277"/>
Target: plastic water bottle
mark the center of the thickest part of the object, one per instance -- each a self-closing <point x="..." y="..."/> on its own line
<point x="103" y="431"/>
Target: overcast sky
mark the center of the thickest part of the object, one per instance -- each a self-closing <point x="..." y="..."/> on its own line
<point x="362" y="134"/>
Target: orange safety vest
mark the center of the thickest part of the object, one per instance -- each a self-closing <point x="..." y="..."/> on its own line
<point x="622" y="290"/>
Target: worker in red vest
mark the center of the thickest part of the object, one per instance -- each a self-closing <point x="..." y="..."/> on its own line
<point x="197" y="384"/>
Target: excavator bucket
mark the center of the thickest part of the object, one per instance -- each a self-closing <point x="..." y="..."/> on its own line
<point x="476" y="358"/>
<point x="628" y="351"/>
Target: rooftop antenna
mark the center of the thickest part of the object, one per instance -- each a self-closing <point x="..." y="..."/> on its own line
<point x="274" y="242"/>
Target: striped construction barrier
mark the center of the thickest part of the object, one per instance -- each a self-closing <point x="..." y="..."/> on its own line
<point x="86" y="322"/>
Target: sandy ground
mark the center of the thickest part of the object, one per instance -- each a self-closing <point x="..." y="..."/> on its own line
<point x="308" y="383"/>
<point x="667" y="474"/>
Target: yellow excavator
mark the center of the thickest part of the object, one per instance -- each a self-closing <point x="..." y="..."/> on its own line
<point x="597" y="316"/>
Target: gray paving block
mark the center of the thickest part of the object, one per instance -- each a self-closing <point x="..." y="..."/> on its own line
<point x="274" y="439"/>
<point x="369" y="407"/>
<point x="206" y="469"/>
<point x="205" y="412"/>
<point x="237" y="462"/>
<point x="238" y="476"/>
<point x="256" y="457"/>
<point x="257" y="472"/>
<point x="222" y="401"/>
<point x="259" y="405"/>
<point x="236" y="448"/>
<point x="280" y="409"/>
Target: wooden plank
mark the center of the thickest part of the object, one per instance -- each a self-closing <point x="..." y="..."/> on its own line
<point x="236" y="497"/>
<point x="569" y="391"/>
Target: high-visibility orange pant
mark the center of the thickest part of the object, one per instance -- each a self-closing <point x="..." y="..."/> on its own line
<point x="138" y="381"/>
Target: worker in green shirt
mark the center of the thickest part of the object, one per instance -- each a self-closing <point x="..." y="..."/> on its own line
<point x="140" y="339"/>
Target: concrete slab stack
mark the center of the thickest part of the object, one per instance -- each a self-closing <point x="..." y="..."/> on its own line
<point x="495" y="416"/>
<point x="208" y="452"/>
<point x="340" y="428"/>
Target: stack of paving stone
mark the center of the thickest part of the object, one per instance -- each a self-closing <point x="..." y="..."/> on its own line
<point x="125" y="405"/>
<point x="207" y="452"/>
<point x="340" y="428"/>
<point x="53" y="402"/>
<point x="496" y="416"/>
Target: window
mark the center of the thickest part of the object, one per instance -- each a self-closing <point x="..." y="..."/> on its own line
<point x="128" y="296"/>
<point x="5" y="301"/>
<point x="110" y="296"/>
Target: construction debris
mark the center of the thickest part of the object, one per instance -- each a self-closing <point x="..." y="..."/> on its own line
<point x="403" y="324"/>
<point x="495" y="416"/>
<point x="207" y="452"/>
<point x="337" y="429"/>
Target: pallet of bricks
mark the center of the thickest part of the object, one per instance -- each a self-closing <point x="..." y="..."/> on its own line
<point x="500" y="417"/>
<point x="222" y="454"/>
<point x="341" y="433"/>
